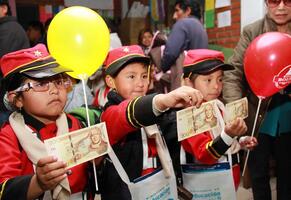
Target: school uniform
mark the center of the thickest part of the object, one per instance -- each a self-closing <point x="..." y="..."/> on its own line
<point x="16" y="170"/>
<point x="126" y="139"/>
<point x="209" y="147"/>
<point x="21" y="139"/>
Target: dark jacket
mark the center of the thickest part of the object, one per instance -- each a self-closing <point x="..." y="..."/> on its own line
<point x="12" y="36"/>
<point x="187" y="33"/>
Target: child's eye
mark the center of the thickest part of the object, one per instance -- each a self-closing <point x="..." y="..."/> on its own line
<point x="59" y="82"/>
<point x="145" y="76"/>
<point x="40" y="84"/>
<point x="131" y="76"/>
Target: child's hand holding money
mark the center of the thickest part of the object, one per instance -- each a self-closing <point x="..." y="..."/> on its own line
<point x="248" y="142"/>
<point x="50" y="172"/>
<point x="181" y="97"/>
<point x="237" y="127"/>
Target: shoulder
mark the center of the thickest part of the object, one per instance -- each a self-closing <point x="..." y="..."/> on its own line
<point x="7" y="134"/>
<point x="254" y="29"/>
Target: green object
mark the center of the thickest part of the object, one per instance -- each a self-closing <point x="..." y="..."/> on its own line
<point x="226" y="51"/>
<point x="94" y="115"/>
<point x="209" y="18"/>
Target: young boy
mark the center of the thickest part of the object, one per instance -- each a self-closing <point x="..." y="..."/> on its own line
<point x="37" y="89"/>
<point x="203" y="70"/>
<point x="127" y="111"/>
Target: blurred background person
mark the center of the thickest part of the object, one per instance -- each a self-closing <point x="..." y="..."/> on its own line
<point x="12" y="38"/>
<point x="35" y="32"/>
<point x="12" y="35"/>
<point x="187" y="33"/>
<point x="145" y="38"/>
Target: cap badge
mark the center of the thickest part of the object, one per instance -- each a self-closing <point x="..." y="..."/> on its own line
<point x="37" y="53"/>
<point x="126" y="50"/>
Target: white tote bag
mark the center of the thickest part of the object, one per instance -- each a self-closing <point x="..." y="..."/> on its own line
<point x="209" y="182"/>
<point x="158" y="185"/>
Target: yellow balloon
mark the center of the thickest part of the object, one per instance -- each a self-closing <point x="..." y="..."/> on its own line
<point x="78" y="38"/>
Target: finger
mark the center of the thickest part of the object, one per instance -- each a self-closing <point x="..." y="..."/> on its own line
<point x="43" y="161"/>
<point x="51" y="184"/>
<point x="53" y="166"/>
<point x="56" y="173"/>
<point x="199" y="98"/>
<point x="184" y="98"/>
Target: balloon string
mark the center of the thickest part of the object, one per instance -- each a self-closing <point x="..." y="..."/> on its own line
<point x="253" y="131"/>
<point x="88" y="121"/>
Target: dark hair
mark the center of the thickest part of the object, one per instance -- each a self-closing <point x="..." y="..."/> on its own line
<point x="47" y="23"/>
<point x="141" y="33"/>
<point x="112" y="26"/>
<point x="36" y="25"/>
<point x="6" y="3"/>
<point x="13" y="82"/>
<point x="192" y="4"/>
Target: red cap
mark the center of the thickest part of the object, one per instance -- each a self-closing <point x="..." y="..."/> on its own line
<point x="34" y="62"/>
<point x="203" y="61"/>
<point x="120" y="57"/>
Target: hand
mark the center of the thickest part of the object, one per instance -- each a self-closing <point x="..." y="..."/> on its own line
<point x="50" y="172"/>
<point x="248" y="142"/>
<point x="236" y="128"/>
<point x="181" y="97"/>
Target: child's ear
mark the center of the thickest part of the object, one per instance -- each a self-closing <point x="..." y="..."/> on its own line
<point x="110" y="82"/>
<point x="188" y="82"/>
<point x="15" y="99"/>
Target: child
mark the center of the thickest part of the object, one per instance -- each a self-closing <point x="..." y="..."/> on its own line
<point x="127" y="111"/>
<point x="203" y="70"/>
<point x="36" y="87"/>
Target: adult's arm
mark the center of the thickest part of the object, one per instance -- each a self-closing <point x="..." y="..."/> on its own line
<point x="175" y="45"/>
<point x="235" y="84"/>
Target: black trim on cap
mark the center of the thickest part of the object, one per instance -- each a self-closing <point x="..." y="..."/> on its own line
<point x="114" y="68"/>
<point x="206" y="67"/>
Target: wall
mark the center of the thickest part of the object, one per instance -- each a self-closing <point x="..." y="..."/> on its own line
<point x="227" y="36"/>
<point x="251" y="11"/>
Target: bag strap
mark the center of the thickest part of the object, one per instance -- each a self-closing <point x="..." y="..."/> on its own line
<point x="163" y="154"/>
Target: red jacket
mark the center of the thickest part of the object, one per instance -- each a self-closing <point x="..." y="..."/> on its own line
<point x="17" y="169"/>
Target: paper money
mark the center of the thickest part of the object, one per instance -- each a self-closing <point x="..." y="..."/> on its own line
<point x="235" y="109"/>
<point x="192" y="121"/>
<point x="79" y="146"/>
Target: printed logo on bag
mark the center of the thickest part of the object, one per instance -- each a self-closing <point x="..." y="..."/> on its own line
<point x="283" y="78"/>
<point x="162" y="194"/>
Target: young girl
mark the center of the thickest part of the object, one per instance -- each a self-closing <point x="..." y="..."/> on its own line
<point x="145" y="37"/>
<point x="37" y="89"/>
<point x="203" y="70"/>
<point x="127" y="111"/>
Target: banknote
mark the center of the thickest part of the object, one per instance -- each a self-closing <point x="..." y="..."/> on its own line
<point x="192" y="121"/>
<point x="79" y="146"/>
<point x="235" y="109"/>
<point x="185" y="123"/>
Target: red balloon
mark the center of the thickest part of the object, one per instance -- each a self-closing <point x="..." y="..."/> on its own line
<point x="267" y="63"/>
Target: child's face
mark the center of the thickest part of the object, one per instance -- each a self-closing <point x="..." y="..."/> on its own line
<point x="209" y="85"/>
<point x="132" y="81"/>
<point x="147" y="39"/>
<point x="45" y="106"/>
